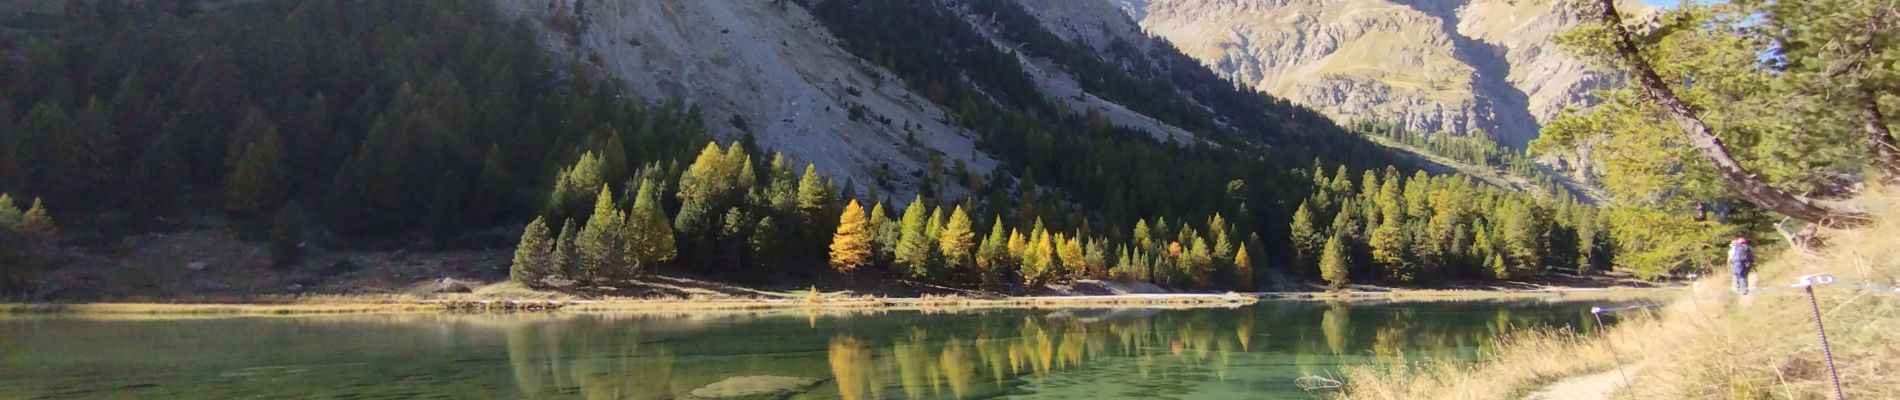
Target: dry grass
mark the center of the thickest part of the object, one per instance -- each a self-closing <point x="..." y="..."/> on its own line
<point x="1715" y="347"/>
<point x="1517" y="364"/>
<point x="1575" y="294"/>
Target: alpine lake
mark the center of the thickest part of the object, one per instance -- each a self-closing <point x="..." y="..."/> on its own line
<point x="1249" y="352"/>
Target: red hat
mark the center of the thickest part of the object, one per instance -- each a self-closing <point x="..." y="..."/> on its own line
<point x="1741" y="240"/>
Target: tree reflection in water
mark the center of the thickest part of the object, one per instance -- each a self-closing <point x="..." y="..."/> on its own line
<point x="1076" y="354"/>
<point x="851" y="368"/>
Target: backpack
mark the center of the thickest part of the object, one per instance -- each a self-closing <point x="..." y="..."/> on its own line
<point x="1743" y="253"/>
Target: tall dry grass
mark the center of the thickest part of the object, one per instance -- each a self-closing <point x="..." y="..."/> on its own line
<point x="1709" y="345"/>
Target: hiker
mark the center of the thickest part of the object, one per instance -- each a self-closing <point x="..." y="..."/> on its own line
<point x="1741" y="259"/>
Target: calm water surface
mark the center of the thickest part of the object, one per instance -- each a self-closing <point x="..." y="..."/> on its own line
<point x="1252" y="352"/>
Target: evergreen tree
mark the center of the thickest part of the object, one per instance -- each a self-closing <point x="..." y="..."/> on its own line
<point x="1017" y="246"/>
<point x="566" y="260"/>
<point x="1161" y="232"/>
<point x="1222" y="250"/>
<point x="782" y="192"/>
<point x="1438" y="247"/>
<point x="735" y="224"/>
<point x="601" y="243"/>
<point x="1484" y="244"/>
<point x="1342" y="182"/>
<point x="494" y="187"/>
<point x="1389" y="249"/>
<point x="575" y="187"/>
<point x="766" y="241"/>
<point x="913" y="246"/>
<point x="1069" y="254"/>
<point x="1334" y="263"/>
<point x="1322" y="194"/>
<point x="705" y="190"/>
<point x="614" y="166"/>
<point x="260" y="177"/>
<point x="851" y="245"/>
<point x="446" y="208"/>
<point x="1497" y="268"/>
<point x="534" y="256"/>
<point x="1522" y="231"/>
<point x="884" y="235"/>
<point x="1095" y="254"/>
<point x="1026" y="198"/>
<point x="1197" y="264"/>
<point x="1243" y="268"/>
<point x="1348" y="225"/>
<point x="1588" y="237"/>
<point x="1124" y="264"/>
<point x="1416" y="193"/>
<point x="933" y="230"/>
<point x="957" y="240"/>
<point x="47" y="155"/>
<point x="1307" y="240"/>
<point x="37" y="221"/>
<point x="992" y="259"/>
<point x="1668" y="155"/>
<point x="650" y="232"/>
<point x="1389" y="245"/>
<point x="10" y="214"/>
<point x="813" y="201"/>
<point x="1143" y="236"/>
<point x="1370" y="187"/>
<point x="1038" y="260"/>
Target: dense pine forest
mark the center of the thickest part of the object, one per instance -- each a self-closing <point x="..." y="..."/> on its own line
<point x="436" y="122"/>
<point x="1476" y="150"/>
<point x="374" y="119"/>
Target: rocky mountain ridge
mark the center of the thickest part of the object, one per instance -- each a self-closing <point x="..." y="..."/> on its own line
<point x="766" y="68"/>
<point x="771" y="69"/>
<point x="1458" y="66"/>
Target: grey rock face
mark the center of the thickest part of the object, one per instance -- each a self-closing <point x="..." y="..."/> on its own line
<point x="1456" y="66"/>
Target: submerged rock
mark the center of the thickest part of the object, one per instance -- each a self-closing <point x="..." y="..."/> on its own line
<point x="757" y="387"/>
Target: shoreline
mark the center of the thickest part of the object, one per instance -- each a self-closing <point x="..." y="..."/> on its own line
<point x="1565" y="293"/>
<point x="372" y="304"/>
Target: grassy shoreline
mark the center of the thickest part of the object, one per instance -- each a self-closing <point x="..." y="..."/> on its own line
<point x="385" y="304"/>
<point x="1580" y="294"/>
<point x="1709" y="346"/>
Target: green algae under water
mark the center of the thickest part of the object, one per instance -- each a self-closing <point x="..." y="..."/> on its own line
<point x="1249" y="352"/>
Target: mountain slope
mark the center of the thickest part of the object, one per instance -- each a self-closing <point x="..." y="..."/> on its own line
<point x="1457" y="66"/>
<point x="770" y="66"/>
<point x="774" y="70"/>
<point x="444" y="125"/>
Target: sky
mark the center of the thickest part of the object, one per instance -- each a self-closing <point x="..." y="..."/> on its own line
<point x="1663" y="3"/>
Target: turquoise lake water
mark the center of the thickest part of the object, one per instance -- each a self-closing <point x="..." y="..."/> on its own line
<point x="1250" y="352"/>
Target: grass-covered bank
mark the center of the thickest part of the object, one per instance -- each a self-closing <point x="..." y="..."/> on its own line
<point x="1755" y="347"/>
<point x="1612" y="294"/>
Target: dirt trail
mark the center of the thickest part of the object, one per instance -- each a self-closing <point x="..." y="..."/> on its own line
<point x="1598" y="386"/>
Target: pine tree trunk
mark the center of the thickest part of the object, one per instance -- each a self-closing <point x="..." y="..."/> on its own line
<point x="1879" y="138"/>
<point x="1703" y="138"/>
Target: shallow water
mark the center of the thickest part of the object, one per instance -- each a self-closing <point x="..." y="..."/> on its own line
<point x="1251" y="352"/>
